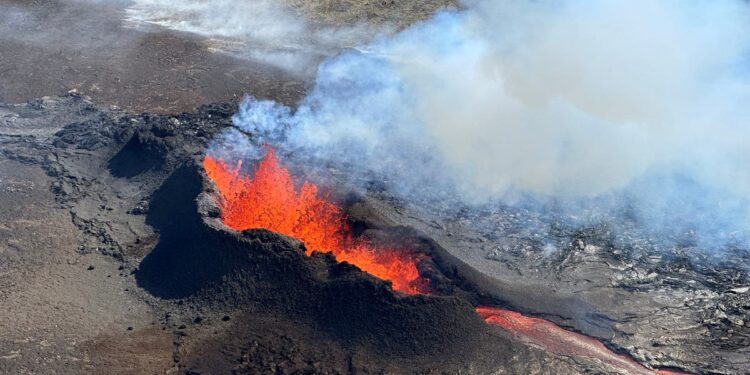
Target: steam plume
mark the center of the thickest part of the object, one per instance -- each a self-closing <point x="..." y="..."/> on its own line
<point x="642" y="103"/>
<point x="264" y="30"/>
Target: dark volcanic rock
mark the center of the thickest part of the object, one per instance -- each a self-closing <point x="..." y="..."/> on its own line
<point x="139" y="155"/>
<point x="199" y="258"/>
<point x="667" y="304"/>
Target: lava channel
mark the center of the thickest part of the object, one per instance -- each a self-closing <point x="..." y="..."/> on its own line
<point x="268" y="199"/>
<point x="556" y="339"/>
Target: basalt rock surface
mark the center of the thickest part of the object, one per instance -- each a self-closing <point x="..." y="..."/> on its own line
<point x="666" y="304"/>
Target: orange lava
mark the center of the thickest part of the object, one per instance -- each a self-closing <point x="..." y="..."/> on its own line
<point x="268" y="199"/>
<point x="555" y="339"/>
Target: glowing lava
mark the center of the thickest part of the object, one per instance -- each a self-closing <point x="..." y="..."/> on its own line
<point x="269" y="200"/>
<point x="555" y="339"/>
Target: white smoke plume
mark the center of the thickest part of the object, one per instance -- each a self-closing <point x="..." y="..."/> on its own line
<point x="265" y="30"/>
<point x="641" y="101"/>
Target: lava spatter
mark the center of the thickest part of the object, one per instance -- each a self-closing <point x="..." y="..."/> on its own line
<point x="269" y="199"/>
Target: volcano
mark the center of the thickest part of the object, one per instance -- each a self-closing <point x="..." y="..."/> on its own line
<point x="143" y="231"/>
<point x="269" y="200"/>
<point x="338" y="281"/>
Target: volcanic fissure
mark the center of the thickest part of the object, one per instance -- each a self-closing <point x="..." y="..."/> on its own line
<point x="269" y="199"/>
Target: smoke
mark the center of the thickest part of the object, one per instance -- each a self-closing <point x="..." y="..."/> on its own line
<point x="641" y="104"/>
<point x="263" y="30"/>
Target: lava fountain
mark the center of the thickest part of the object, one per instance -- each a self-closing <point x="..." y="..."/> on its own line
<point x="269" y="199"/>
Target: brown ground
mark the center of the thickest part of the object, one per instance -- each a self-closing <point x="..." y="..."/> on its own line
<point x="64" y="45"/>
<point x="53" y="297"/>
<point x="48" y="47"/>
<point x="399" y="13"/>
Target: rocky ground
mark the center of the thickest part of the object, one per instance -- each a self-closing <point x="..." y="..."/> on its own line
<point x="48" y="47"/>
<point x="670" y="305"/>
<point x="112" y="259"/>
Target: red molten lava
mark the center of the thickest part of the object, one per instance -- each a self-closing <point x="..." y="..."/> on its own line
<point x="269" y="200"/>
<point x="558" y="340"/>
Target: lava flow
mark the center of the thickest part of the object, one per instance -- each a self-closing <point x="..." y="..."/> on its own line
<point x="269" y="200"/>
<point x="558" y="340"/>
